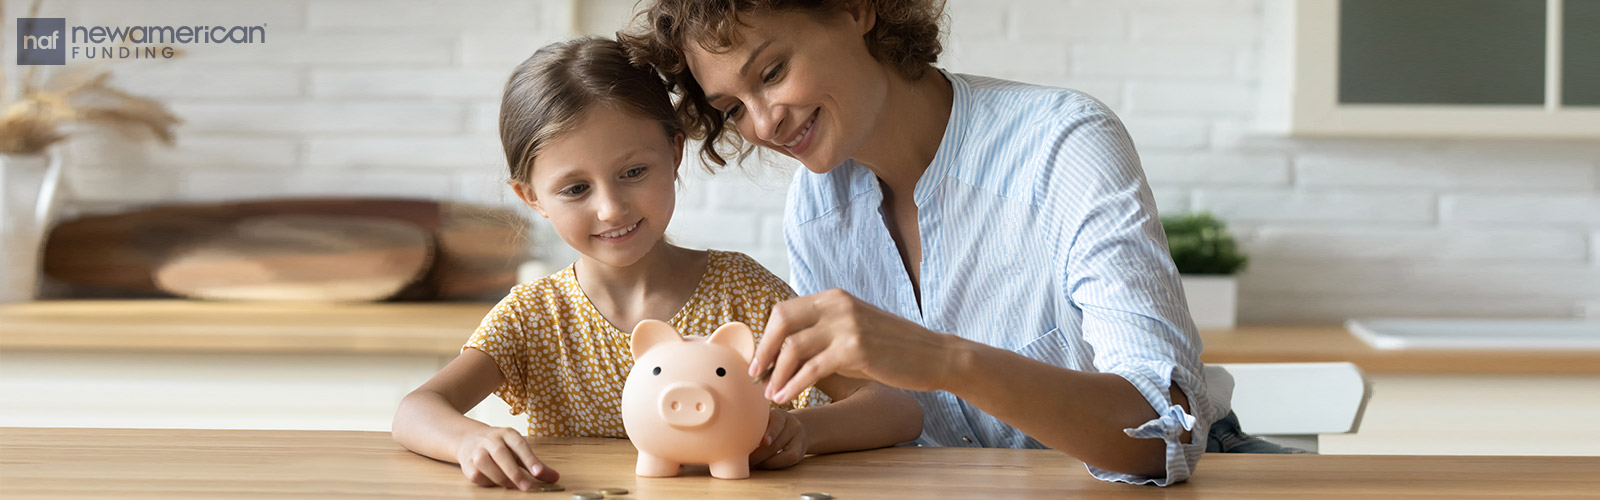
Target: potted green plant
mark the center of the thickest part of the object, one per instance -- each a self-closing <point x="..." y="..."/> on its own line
<point x="35" y="115"/>
<point x="1207" y="258"/>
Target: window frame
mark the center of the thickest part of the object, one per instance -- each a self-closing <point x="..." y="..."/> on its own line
<point x="1301" y="88"/>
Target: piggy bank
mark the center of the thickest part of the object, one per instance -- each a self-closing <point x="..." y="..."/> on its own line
<point x="691" y="400"/>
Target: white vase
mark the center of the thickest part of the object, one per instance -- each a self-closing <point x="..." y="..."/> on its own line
<point x="1212" y="300"/>
<point x="28" y="188"/>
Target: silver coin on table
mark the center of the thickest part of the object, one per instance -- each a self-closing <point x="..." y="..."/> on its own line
<point x="546" y="488"/>
<point x="587" y="495"/>
<point x="611" y="492"/>
<point x="815" y="496"/>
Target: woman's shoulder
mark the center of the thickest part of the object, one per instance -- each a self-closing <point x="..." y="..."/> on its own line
<point x="1024" y="104"/>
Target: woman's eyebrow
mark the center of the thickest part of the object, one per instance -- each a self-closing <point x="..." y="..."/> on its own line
<point x="745" y="68"/>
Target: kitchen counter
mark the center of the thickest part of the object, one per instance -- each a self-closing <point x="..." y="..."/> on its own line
<point x="441" y="328"/>
<point x="64" y="464"/>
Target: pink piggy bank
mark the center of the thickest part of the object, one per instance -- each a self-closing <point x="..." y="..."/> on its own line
<point x="691" y="401"/>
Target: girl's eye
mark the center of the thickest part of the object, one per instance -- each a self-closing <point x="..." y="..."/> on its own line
<point x="633" y="172"/>
<point x="772" y="74"/>
<point x="575" y="190"/>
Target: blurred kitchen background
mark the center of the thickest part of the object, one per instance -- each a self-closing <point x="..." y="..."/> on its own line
<point x="1420" y="215"/>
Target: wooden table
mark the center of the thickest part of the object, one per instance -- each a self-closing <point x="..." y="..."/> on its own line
<point x="51" y="463"/>
<point x="440" y="329"/>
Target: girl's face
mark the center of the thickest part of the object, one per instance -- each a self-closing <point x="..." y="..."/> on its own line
<point x="798" y="84"/>
<point x="607" y="185"/>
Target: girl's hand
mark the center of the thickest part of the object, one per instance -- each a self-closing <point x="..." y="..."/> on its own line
<point x="501" y="456"/>
<point x="783" y="445"/>
<point x="833" y="332"/>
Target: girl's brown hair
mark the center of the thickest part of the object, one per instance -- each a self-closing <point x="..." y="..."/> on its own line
<point x="905" y="37"/>
<point x="548" y="94"/>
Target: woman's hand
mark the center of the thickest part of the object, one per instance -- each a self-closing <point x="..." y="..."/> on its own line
<point x="783" y="445"/>
<point x="500" y="456"/>
<point x="808" y="338"/>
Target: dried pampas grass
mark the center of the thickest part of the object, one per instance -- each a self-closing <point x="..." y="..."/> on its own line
<point x="44" y="113"/>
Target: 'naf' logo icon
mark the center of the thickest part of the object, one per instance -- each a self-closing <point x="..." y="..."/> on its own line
<point x="41" y="41"/>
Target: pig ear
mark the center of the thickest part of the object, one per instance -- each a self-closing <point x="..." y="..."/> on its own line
<point x="649" y="333"/>
<point x="736" y="336"/>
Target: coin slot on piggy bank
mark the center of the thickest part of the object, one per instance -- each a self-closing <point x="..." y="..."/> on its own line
<point x="689" y="400"/>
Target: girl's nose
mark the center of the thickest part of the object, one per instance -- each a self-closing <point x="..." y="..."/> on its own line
<point x="613" y="207"/>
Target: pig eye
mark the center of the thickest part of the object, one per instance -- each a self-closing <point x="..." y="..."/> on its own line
<point x="721" y="372"/>
<point x="656" y="371"/>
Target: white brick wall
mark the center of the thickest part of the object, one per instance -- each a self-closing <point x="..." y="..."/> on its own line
<point x="400" y="98"/>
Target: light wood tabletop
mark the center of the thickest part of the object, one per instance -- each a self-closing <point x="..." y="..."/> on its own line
<point x="433" y="328"/>
<point x="62" y="464"/>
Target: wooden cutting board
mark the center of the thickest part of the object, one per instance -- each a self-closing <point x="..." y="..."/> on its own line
<point x="477" y="248"/>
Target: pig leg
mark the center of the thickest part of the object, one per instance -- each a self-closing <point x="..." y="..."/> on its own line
<point x="654" y="466"/>
<point x="733" y="468"/>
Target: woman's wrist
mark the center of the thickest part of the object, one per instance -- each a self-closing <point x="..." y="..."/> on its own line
<point x="960" y="359"/>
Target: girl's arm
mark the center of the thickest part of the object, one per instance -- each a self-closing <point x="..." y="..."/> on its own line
<point x="431" y="421"/>
<point x="863" y="415"/>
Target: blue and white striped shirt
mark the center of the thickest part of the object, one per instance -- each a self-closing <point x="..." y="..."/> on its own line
<point x="1039" y="235"/>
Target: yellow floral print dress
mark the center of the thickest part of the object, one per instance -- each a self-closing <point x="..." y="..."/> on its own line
<point x="564" y="364"/>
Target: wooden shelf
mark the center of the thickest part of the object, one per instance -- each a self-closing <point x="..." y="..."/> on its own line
<point x="441" y="328"/>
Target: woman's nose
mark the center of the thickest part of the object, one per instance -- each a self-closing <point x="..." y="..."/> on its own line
<point x="768" y="122"/>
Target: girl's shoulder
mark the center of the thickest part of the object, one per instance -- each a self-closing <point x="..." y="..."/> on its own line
<point x="730" y="271"/>
<point x="550" y="297"/>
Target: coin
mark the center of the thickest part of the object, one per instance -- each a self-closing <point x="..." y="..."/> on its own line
<point x="815" y="496"/>
<point x="546" y="488"/>
<point x="613" y="491"/>
<point x="587" y="495"/>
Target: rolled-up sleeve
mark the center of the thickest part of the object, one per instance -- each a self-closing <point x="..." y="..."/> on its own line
<point x="1117" y="273"/>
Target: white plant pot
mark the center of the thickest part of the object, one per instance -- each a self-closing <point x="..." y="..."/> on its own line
<point x="28" y="188"/>
<point x="1212" y="300"/>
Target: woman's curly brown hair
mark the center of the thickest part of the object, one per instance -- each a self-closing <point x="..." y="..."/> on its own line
<point x="905" y="37"/>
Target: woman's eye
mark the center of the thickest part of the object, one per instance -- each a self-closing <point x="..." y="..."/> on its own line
<point x="733" y="111"/>
<point x="575" y="190"/>
<point x="772" y="74"/>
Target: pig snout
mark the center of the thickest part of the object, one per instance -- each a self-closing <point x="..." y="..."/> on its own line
<point x="687" y="405"/>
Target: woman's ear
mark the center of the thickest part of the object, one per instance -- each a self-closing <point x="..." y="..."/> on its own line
<point x="863" y="14"/>
<point x="525" y="192"/>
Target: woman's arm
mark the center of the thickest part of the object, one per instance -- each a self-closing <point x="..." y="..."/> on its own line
<point x="1082" y="414"/>
<point x="431" y="421"/>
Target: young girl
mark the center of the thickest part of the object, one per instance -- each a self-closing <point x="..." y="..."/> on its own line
<point x="594" y="146"/>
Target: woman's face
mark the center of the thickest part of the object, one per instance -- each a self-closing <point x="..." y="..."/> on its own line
<point x="798" y="84"/>
<point x="608" y="185"/>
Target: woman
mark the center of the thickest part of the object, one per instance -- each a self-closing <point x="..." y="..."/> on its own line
<point x="990" y="244"/>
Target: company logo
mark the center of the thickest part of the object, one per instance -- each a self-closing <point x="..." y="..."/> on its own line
<point x="48" y="41"/>
<point x="41" y="41"/>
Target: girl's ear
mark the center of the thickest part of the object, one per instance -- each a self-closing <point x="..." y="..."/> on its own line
<point x="525" y="192"/>
<point x="677" y="153"/>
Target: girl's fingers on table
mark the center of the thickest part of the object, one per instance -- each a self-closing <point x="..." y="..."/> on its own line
<point x="517" y="475"/>
<point x="529" y="461"/>
<point x="483" y="464"/>
<point x="788" y="447"/>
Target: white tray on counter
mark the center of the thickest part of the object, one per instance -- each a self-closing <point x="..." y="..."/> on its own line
<point x="1477" y="334"/>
